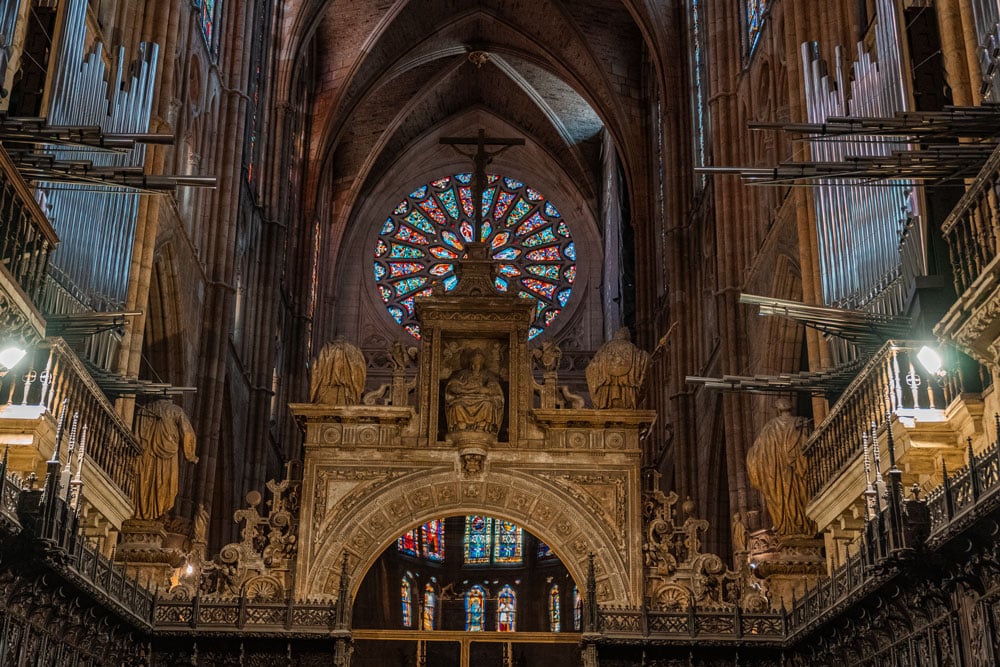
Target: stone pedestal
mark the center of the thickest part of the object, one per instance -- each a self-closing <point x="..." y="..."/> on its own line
<point x="142" y="547"/>
<point x="789" y="565"/>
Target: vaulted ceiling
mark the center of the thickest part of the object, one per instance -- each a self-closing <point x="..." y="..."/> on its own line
<point x="389" y="75"/>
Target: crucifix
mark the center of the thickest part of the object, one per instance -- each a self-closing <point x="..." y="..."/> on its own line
<point x="480" y="159"/>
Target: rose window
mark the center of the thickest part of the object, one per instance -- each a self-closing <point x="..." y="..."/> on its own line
<point x="427" y="232"/>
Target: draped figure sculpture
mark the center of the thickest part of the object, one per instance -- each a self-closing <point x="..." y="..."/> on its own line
<point x="473" y="397"/>
<point x="164" y="432"/>
<point x="616" y="373"/>
<point x="776" y="467"/>
<point x="338" y="374"/>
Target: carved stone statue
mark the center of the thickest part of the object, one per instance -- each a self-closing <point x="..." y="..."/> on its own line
<point x="164" y="431"/>
<point x="199" y="532"/>
<point x="777" y="468"/>
<point x="473" y="397"/>
<point x="338" y="374"/>
<point x="616" y="373"/>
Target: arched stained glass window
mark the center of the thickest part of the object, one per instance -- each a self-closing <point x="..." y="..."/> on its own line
<point x="554" y="620"/>
<point x="427" y="232"/>
<point x="507" y="548"/>
<point x="406" y="597"/>
<point x="475" y="609"/>
<point x="210" y="10"/>
<point x="432" y="535"/>
<point x="430" y="606"/>
<point x="408" y="544"/>
<point x="478" y="539"/>
<point x="755" y="10"/>
<point x="577" y="610"/>
<point x="506" y="609"/>
<point x="544" y="551"/>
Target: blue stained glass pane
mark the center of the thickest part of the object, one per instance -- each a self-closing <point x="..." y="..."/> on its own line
<point x="510" y="270"/>
<point x="400" y="251"/>
<point x="429" y="615"/>
<point x="533" y="195"/>
<point x="563" y="297"/>
<point x="432" y="537"/>
<point x="379" y="271"/>
<point x="381" y="248"/>
<point x="388" y="226"/>
<point x="441" y="182"/>
<point x="419" y="193"/>
<point x="541" y="238"/>
<point x="551" y="211"/>
<point x="420" y="222"/>
<point x="484" y="233"/>
<point x="571" y="251"/>
<point x="508" y="253"/>
<point x="503" y="203"/>
<point x="554" y="615"/>
<point x="512" y="184"/>
<point x="550" y="254"/>
<point x="431" y="208"/>
<point x="521" y="209"/>
<point x="508" y="543"/>
<point x="465" y="194"/>
<point x="406" y="597"/>
<point x="539" y="287"/>
<point x="549" y="271"/>
<point x="450" y="203"/>
<point x="533" y="332"/>
<point x="488" y="200"/>
<point x="500" y="284"/>
<point x="408" y="304"/>
<point x="409" y="284"/>
<point x="570" y="274"/>
<point x="577" y="609"/>
<point x="451" y="239"/>
<point x="411" y="236"/>
<point x="544" y="551"/>
<point x="385" y="293"/>
<point x="478" y="539"/>
<point x="407" y="543"/>
<point x="397" y="313"/>
<point x="400" y="269"/>
<point x="441" y="270"/>
<point x="450" y="283"/>
<point x="475" y="609"/>
<point x="401" y="208"/>
<point x="463" y="178"/>
<point x="564" y="229"/>
<point x="531" y="224"/>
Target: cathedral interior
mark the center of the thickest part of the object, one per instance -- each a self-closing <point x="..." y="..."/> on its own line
<point x="570" y="332"/>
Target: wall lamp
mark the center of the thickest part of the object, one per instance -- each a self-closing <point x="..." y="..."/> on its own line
<point x="11" y="356"/>
<point x="931" y="360"/>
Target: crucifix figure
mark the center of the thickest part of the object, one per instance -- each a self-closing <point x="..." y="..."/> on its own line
<point x="480" y="159"/>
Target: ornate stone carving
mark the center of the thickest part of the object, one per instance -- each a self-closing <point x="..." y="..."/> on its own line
<point x="776" y="467"/>
<point x="616" y="373"/>
<point x="474" y="400"/>
<point x="164" y="432"/>
<point x="338" y="374"/>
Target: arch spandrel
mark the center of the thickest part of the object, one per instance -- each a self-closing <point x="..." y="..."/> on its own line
<point x="576" y="511"/>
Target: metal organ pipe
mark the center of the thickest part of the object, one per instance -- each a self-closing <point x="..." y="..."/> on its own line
<point x="858" y="228"/>
<point x="97" y="225"/>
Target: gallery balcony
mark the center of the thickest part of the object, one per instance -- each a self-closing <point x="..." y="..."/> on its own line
<point x="34" y="394"/>
<point x="971" y="231"/>
<point x="930" y="415"/>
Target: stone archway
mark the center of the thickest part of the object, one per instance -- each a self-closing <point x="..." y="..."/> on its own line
<point x="360" y="510"/>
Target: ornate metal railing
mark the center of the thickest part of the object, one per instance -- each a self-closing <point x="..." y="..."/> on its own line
<point x="56" y="373"/>
<point x="957" y="495"/>
<point x="26" y="237"/>
<point x="10" y="487"/>
<point x="970" y="228"/>
<point x="254" y="616"/>
<point x="892" y="381"/>
<point x="693" y="623"/>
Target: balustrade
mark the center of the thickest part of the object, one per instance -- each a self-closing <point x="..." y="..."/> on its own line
<point x="892" y="381"/>
<point x="26" y="237"/>
<point x="57" y="373"/>
<point x="970" y="229"/>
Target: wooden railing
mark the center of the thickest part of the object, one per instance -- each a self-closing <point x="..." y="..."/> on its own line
<point x="710" y="625"/>
<point x="892" y="381"/>
<point x="254" y="616"/>
<point x="26" y="237"/>
<point x="971" y="228"/>
<point x="957" y="495"/>
<point x="56" y="373"/>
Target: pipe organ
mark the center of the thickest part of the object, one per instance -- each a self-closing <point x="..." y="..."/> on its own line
<point x="986" y="14"/>
<point x="862" y="225"/>
<point x="96" y="223"/>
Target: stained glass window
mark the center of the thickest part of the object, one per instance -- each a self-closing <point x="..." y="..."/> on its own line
<point x="430" y="607"/>
<point x="406" y="596"/>
<point x="577" y="610"/>
<point x="698" y="69"/>
<point x="508" y="543"/>
<point x="432" y="535"/>
<point x="478" y="539"/>
<point x="408" y="544"/>
<point x="544" y="551"/>
<point x="475" y="609"/>
<point x="554" y="620"/>
<point x="434" y="223"/>
<point x="506" y="609"/>
<point x="755" y="19"/>
<point x="210" y="10"/>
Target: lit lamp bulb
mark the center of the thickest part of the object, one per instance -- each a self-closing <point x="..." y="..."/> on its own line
<point x="931" y="360"/>
<point x="10" y="356"/>
<point x="189" y="570"/>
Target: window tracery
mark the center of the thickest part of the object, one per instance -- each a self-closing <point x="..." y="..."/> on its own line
<point x="506" y="610"/>
<point x="427" y="232"/>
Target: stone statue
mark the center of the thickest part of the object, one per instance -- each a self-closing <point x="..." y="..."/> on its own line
<point x="616" y="373"/>
<point x="164" y="431"/>
<point x="777" y="468"/>
<point x="338" y="374"/>
<point x="200" y="529"/>
<point x="473" y="397"/>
